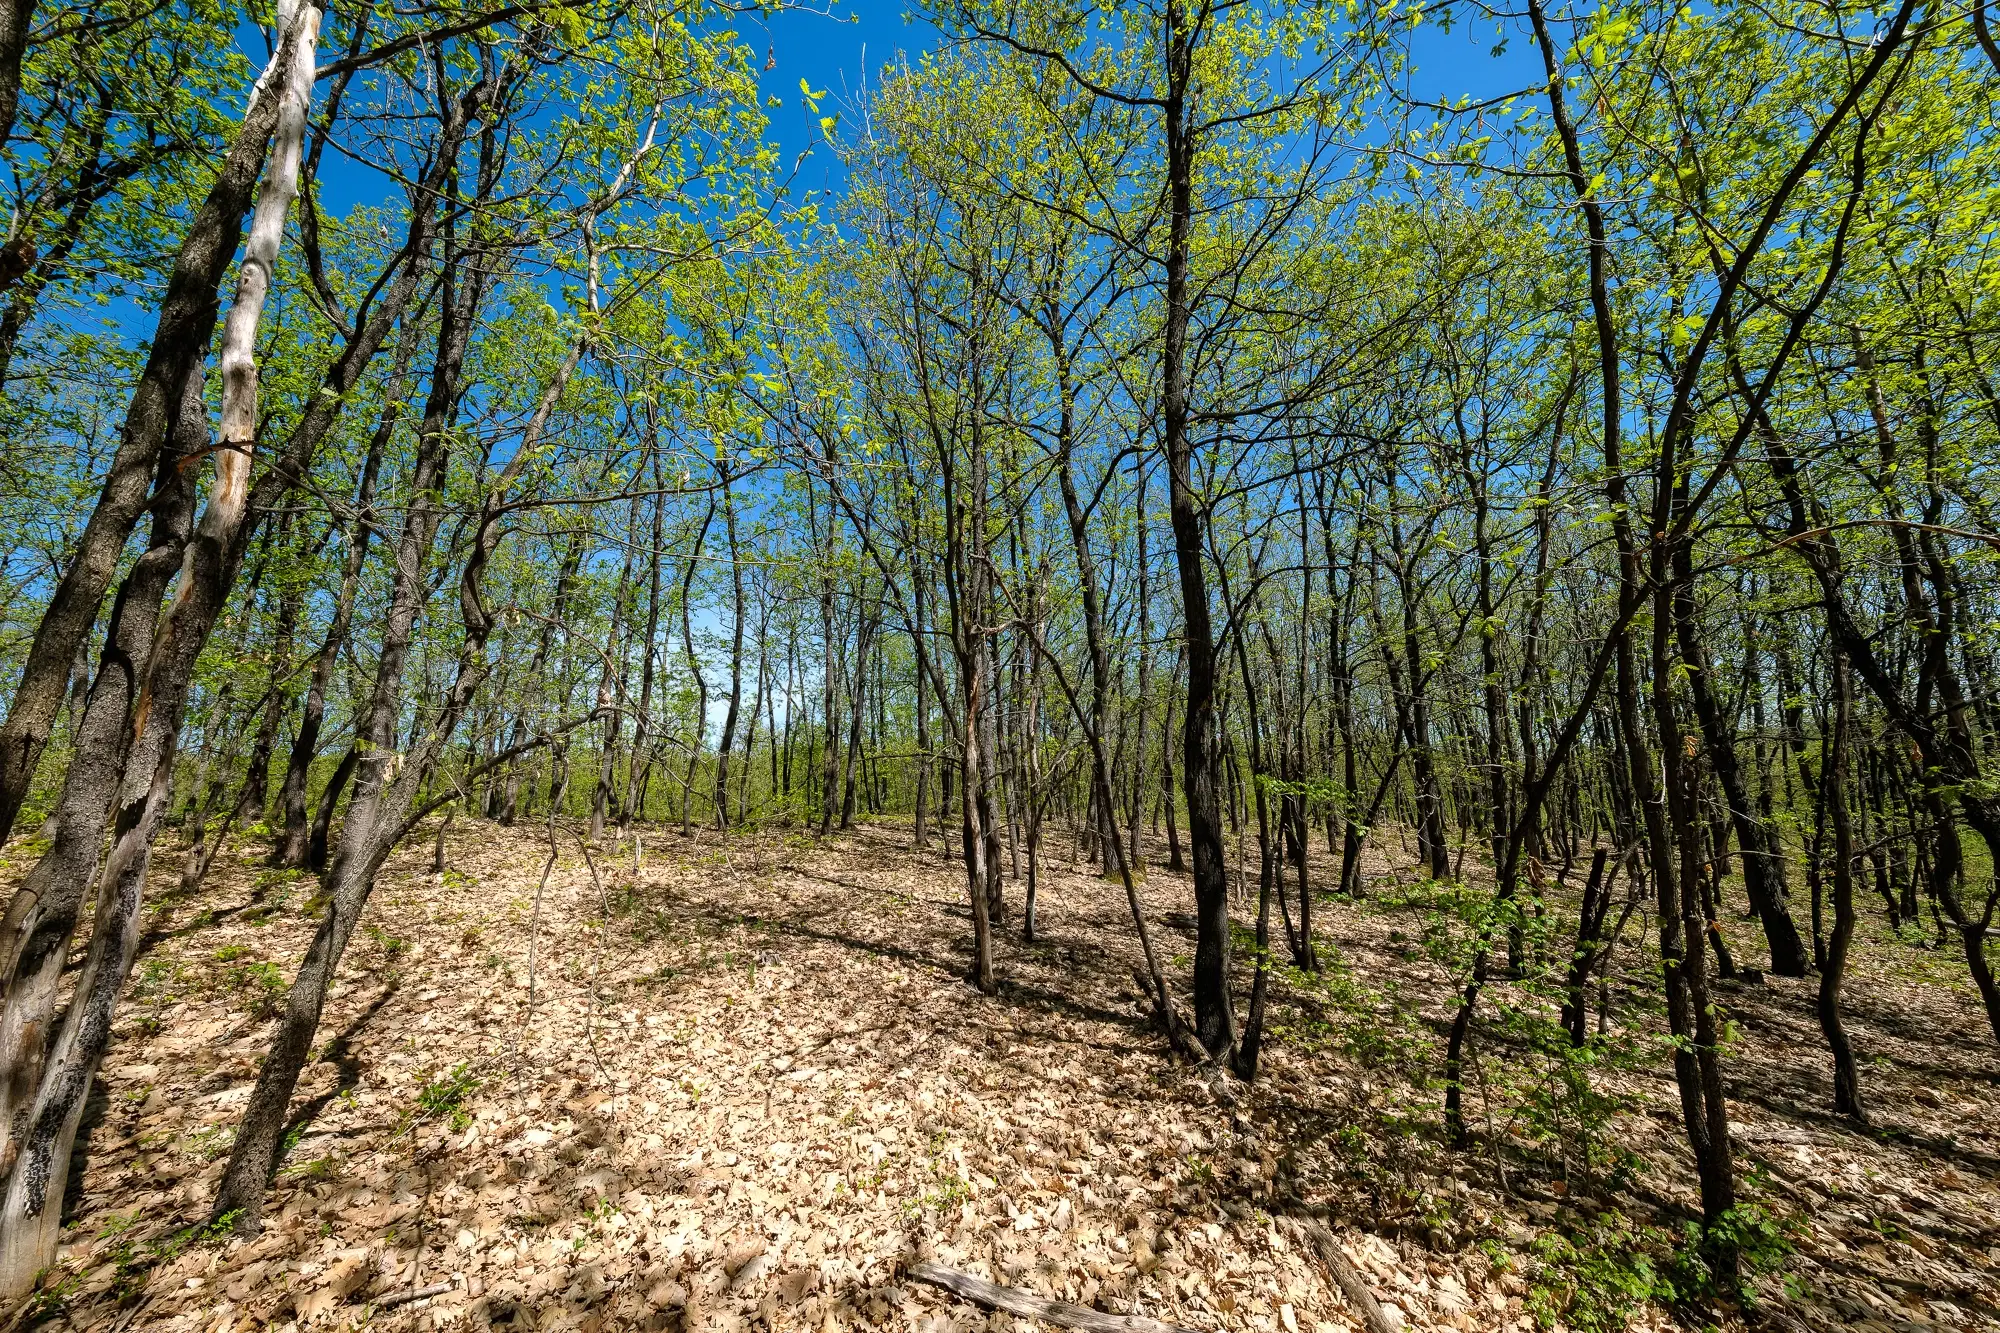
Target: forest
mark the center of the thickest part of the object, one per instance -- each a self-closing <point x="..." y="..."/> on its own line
<point x="1207" y="665"/>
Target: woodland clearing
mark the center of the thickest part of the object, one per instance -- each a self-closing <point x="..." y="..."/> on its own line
<point x="518" y="524"/>
<point x="739" y="1081"/>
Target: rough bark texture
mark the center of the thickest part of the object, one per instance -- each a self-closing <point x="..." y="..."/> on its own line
<point x="180" y="339"/>
<point x="1214" y="1015"/>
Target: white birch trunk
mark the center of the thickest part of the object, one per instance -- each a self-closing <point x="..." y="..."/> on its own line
<point x="230" y="487"/>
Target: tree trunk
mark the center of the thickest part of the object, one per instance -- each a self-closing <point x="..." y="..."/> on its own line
<point x="16" y="16"/>
<point x="386" y="781"/>
<point x="293" y="847"/>
<point x="864" y="645"/>
<point x="727" y="742"/>
<point x="1214" y="1015"/>
<point x="1846" y="1077"/>
<point x="179" y="342"/>
<point x="1763" y="881"/>
<point x="210" y="560"/>
<point x="42" y="915"/>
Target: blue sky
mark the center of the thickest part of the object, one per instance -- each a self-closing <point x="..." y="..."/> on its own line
<point x="840" y="50"/>
<point x="844" y="49"/>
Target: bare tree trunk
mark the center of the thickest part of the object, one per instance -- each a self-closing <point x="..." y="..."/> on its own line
<point x="975" y="841"/>
<point x="642" y="718"/>
<point x="277" y="699"/>
<point x="611" y="686"/>
<point x="179" y="342"/>
<point x="727" y="741"/>
<point x="864" y="645"/>
<point x="292" y="848"/>
<point x="1846" y="1077"/>
<point x="1144" y="587"/>
<point x="921" y="838"/>
<point x="989" y="782"/>
<point x="694" y="668"/>
<point x="42" y="915"/>
<point x="16" y="17"/>
<point x="1201" y="767"/>
<point x="1176" y="862"/>
<point x="829" y="686"/>
<point x="757" y="704"/>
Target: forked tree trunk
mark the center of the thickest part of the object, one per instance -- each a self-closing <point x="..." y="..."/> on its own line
<point x="387" y="788"/>
<point x="179" y="342"/>
<point x="42" y="915"/>
<point x="31" y="1212"/>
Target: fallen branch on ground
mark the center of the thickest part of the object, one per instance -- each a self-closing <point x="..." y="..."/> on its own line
<point x="996" y="1297"/>
<point x="1349" y="1278"/>
<point x="414" y="1294"/>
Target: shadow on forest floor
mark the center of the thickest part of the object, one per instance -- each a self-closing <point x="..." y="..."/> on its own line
<point x="750" y="1082"/>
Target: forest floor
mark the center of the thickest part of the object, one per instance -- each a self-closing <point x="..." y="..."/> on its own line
<point x="742" y="1085"/>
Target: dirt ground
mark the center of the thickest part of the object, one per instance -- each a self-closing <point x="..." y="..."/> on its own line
<point x="739" y="1083"/>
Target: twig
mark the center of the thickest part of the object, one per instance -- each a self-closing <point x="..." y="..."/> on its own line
<point x="597" y="954"/>
<point x="534" y="933"/>
<point x="390" y="1302"/>
<point x="996" y="1297"/>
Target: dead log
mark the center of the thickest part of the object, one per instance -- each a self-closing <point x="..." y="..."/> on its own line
<point x="1349" y="1279"/>
<point x="996" y="1297"/>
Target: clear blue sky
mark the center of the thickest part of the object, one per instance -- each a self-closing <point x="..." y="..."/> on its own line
<point x="836" y="52"/>
<point x="845" y="49"/>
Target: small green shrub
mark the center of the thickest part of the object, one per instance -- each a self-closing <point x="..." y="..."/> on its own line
<point x="260" y="987"/>
<point x="1594" y="1278"/>
<point x="443" y="1098"/>
<point x="392" y="947"/>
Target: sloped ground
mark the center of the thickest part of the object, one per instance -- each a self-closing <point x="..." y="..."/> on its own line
<point x="747" y="1086"/>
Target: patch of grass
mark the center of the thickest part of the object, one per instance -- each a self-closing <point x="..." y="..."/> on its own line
<point x="155" y="984"/>
<point x="443" y="1098"/>
<point x="260" y="987"/>
<point x="205" y="1145"/>
<point x="950" y="1193"/>
<point x="392" y="947"/>
<point x="319" y="1168"/>
<point x="950" y="1190"/>
<point x="132" y="1258"/>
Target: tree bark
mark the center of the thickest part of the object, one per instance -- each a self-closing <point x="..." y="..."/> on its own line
<point x="1214" y="1014"/>
<point x="292" y="847"/>
<point x="1846" y="1077"/>
<point x="727" y="741"/>
<point x="180" y="340"/>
